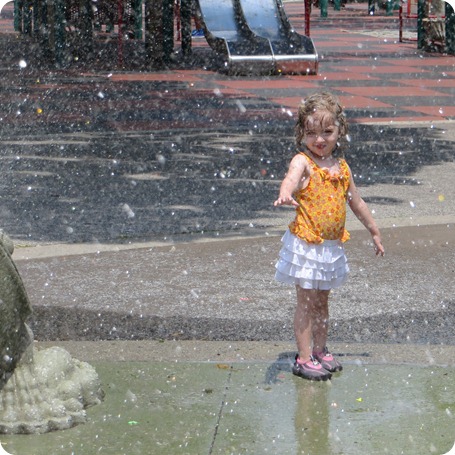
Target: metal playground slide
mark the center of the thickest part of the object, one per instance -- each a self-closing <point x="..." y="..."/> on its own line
<point x="292" y="52"/>
<point x="256" y="36"/>
<point x="229" y="36"/>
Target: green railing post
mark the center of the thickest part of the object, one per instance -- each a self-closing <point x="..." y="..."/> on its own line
<point x="59" y="32"/>
<point x="159" y="31"/>
<point x="36" y="17"/>
<point x="137" y="11"/>
<point x="154" y="32"/>
<point x="185" y="23"/>
<point x="389" y="8"/>
<point x="371" y="7"/>
<point x="87" y="26"/>
<point x="420" y="17"/>
<point x="43" y="32"/>
<point x="18" y="7"/>
<point x="323" y="4"/>
<point x="450" y="29"/>
<point x="27" y="17"/>
<point x="168" y="29"/>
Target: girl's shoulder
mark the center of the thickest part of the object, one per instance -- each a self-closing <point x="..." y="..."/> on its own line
<point x="299" y="165"/>
<point x="301" y="158"/>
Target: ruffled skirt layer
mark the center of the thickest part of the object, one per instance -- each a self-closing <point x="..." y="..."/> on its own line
<point x="311" y="266"/>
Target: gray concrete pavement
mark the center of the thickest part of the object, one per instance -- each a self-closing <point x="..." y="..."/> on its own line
<point x="192" y="339"/>
<point x="219" y="284"/>
<point x="209" y="369"/>
<point x="224" y="289"/>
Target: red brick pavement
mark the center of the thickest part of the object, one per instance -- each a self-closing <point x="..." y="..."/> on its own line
<point x="6" y="18"/>
<point x="377" y="78"/>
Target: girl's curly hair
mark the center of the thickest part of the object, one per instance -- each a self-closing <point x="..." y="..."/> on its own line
<point x="324" y="101"/>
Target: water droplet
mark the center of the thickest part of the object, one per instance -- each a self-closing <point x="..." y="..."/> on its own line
<point x="241" y="107"/>
<point x="127" y="210"/>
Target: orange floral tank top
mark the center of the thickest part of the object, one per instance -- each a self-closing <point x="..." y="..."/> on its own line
<point x="321" y="214"/>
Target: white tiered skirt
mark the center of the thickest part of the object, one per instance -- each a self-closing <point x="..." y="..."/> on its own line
<point x="311" y="266"/>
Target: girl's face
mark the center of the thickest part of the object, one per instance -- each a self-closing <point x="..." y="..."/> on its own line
<point x="321" y="134"/>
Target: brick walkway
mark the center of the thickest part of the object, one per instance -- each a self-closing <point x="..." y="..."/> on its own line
<point x="377" y="78"/>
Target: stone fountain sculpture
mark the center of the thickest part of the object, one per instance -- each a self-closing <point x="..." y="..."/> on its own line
<point x="40" y="390"/>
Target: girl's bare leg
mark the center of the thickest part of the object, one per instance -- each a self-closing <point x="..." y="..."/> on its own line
<point x="321" y="321"/>
<point x="302" y="322"/>
<point x="311" y="321"/>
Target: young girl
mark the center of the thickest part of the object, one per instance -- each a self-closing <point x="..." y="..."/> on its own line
<point x="312" y="256"/>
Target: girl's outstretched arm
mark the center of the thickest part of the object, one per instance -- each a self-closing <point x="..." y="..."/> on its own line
<point x="295" y="179"/>
<point x="362" y="212"/>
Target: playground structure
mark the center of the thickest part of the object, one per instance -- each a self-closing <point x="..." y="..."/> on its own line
<point x="54" y="24"/>
<point x="248" y="35"/>
<point x="256" y="33"/>
<point x="292" y="52"/>
<point x="229" y="35"/>
<point x="248" y="38"/>
<point x="431" y="23"/>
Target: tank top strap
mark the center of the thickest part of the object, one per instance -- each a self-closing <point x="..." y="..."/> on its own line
<point x="344" y="168"/>
<point x="313" y="164"/>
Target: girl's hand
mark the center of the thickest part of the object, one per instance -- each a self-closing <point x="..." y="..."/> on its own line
<point x="286" y="200"/>
<point x="378" y="248"/>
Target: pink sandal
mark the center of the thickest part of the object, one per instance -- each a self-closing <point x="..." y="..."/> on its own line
<point x="327" y="361"/>
<point x="311" y="370"/>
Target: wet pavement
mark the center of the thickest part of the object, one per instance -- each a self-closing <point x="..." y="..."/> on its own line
<point x="224" y="408"/>
<point x="225" y="290"/>
<point x="141" y="207"/>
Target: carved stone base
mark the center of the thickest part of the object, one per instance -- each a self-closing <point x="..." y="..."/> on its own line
<point x="48" y="390"/>
<point x="40" y="391"/>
